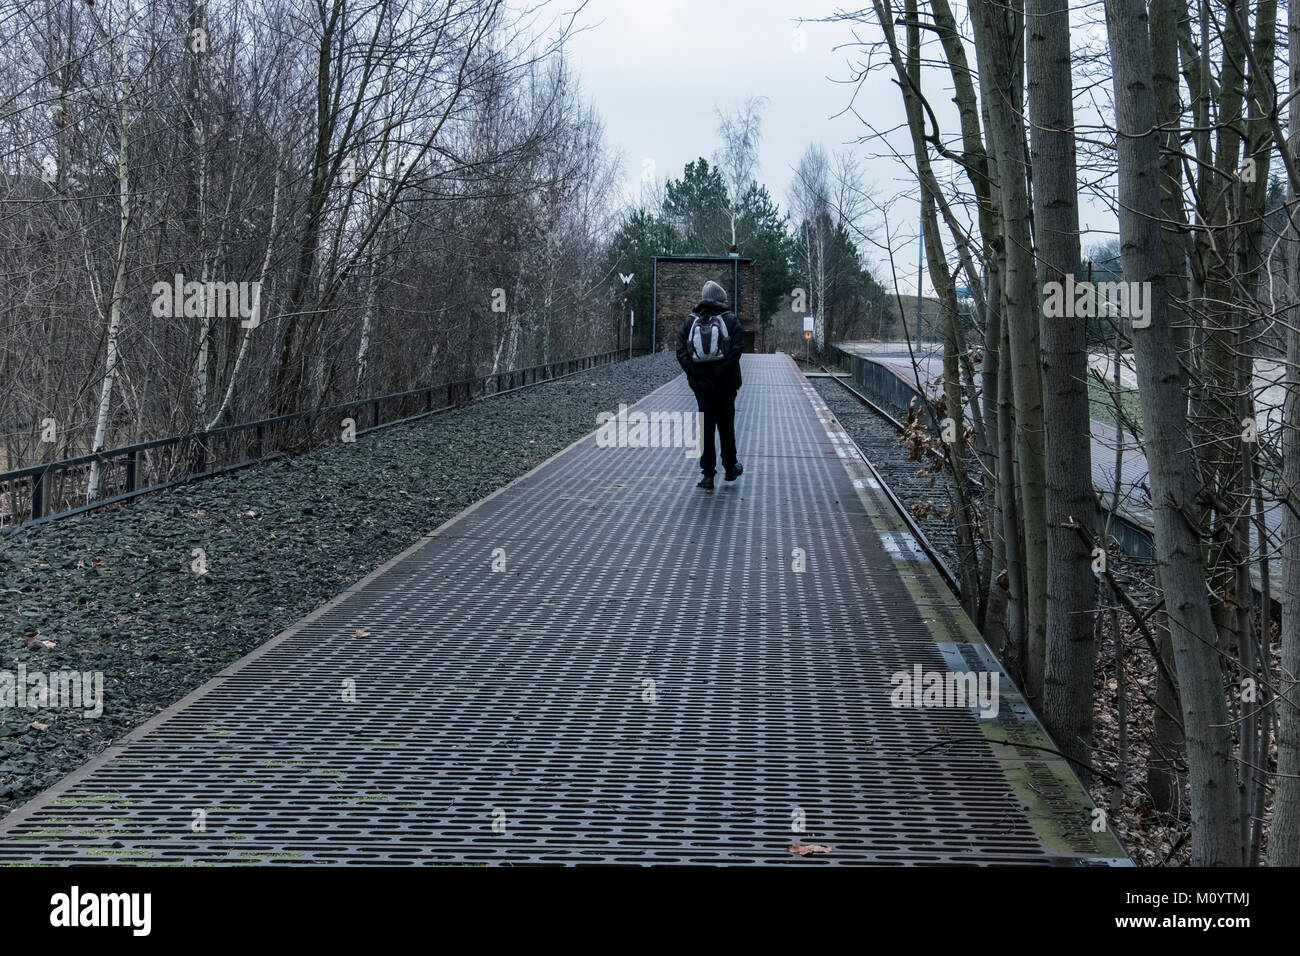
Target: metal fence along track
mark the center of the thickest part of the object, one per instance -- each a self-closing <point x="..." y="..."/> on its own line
<point x="40" y="493"/>
<point x="645" y="679"/>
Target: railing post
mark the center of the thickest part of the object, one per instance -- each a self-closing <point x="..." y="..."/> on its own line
<point x="374" y="409"/>
<point x="38" y="494"/>
<point x="130" y="470"/>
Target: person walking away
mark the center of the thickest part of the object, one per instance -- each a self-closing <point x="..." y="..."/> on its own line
<point x="708" y="350"/>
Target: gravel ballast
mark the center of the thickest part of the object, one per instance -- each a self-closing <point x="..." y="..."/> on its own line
<point x="879" y="442"/>
<point x="115" y="591"/>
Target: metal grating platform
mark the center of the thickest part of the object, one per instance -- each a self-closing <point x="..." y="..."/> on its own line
<point x="518" y="723"/>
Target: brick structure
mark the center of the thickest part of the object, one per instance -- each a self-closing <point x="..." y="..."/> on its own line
<point x="677" y="284"/>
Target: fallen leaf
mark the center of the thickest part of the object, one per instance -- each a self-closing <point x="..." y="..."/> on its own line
<point x="361" y="633"/>
<point x="803" y="849"/>
<point x="36" y="725"/>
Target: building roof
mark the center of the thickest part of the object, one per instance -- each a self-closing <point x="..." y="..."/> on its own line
<point x="701" y="257"/>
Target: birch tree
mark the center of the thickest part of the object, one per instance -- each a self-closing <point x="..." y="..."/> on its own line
<point x="115" y="305"/>
<point x="740" y="131"/>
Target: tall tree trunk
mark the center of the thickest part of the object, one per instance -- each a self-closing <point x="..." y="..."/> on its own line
<point x="1013" y="540"/>
<point x="909" y="78"/>
<point x="1284" y="834"/>
<point x="1164" y="781"/>
<point x="1253" y="271"/>
<point x="980" y="171"/>
<point x="119" y="279"/>
<point x="1071" y="588"/>
<point x="1216" y="419"/>
<point x="997" y="631"/>
<point x="999" y="30"/>
<point x="1215" y="805"/>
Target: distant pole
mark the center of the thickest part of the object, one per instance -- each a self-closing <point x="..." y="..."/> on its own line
<point x="631" y="316"/>
<point x="654" y="304"/>
<point x="735" y="280"/>
<point x="920" y="264"/>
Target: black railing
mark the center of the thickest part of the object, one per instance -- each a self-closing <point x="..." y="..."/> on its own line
<point x="43" y="492"/>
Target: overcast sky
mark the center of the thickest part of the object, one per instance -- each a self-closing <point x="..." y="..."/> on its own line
<point x="657" y="69"/>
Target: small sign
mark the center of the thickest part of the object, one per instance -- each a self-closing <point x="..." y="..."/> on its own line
<point x="808" y="326"/>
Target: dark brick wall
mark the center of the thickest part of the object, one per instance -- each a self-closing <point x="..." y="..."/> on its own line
<point x="678" y="286"/>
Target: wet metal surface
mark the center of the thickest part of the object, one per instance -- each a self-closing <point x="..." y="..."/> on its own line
<point x="644" y="678"/>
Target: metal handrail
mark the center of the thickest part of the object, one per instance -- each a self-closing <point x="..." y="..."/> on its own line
<point x="465" y="390"/>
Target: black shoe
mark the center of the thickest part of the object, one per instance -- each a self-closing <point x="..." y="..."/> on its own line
<point x="735" y="471"/>
<point x="706" y="483"/>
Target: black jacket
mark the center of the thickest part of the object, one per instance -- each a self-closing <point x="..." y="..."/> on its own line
<point x="723" y="376"/>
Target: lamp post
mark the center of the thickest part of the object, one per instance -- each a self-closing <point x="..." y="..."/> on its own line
<point x="631" y="316"/>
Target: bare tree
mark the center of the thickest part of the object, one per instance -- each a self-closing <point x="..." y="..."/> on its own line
<point x="999" y="32"/>
<point x="740" y="131"/>
<point x="1071" y="648"/>
<point x="1215" y="804"/>
<point x="1284" y="841"/>
<point x="118" y="295"/>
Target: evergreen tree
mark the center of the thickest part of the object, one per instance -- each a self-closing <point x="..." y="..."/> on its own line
<point x="639" y="236"/>
<point x="761" y="235"/>
<point x="696" y="205"/>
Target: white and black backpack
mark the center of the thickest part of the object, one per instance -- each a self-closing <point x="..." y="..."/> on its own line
<point x="708" y="338"/>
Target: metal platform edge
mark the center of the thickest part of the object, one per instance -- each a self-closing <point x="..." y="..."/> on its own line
<point x="1056" y="803"/>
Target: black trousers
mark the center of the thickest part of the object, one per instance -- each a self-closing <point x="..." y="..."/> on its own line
<point x="719" y="410"/>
